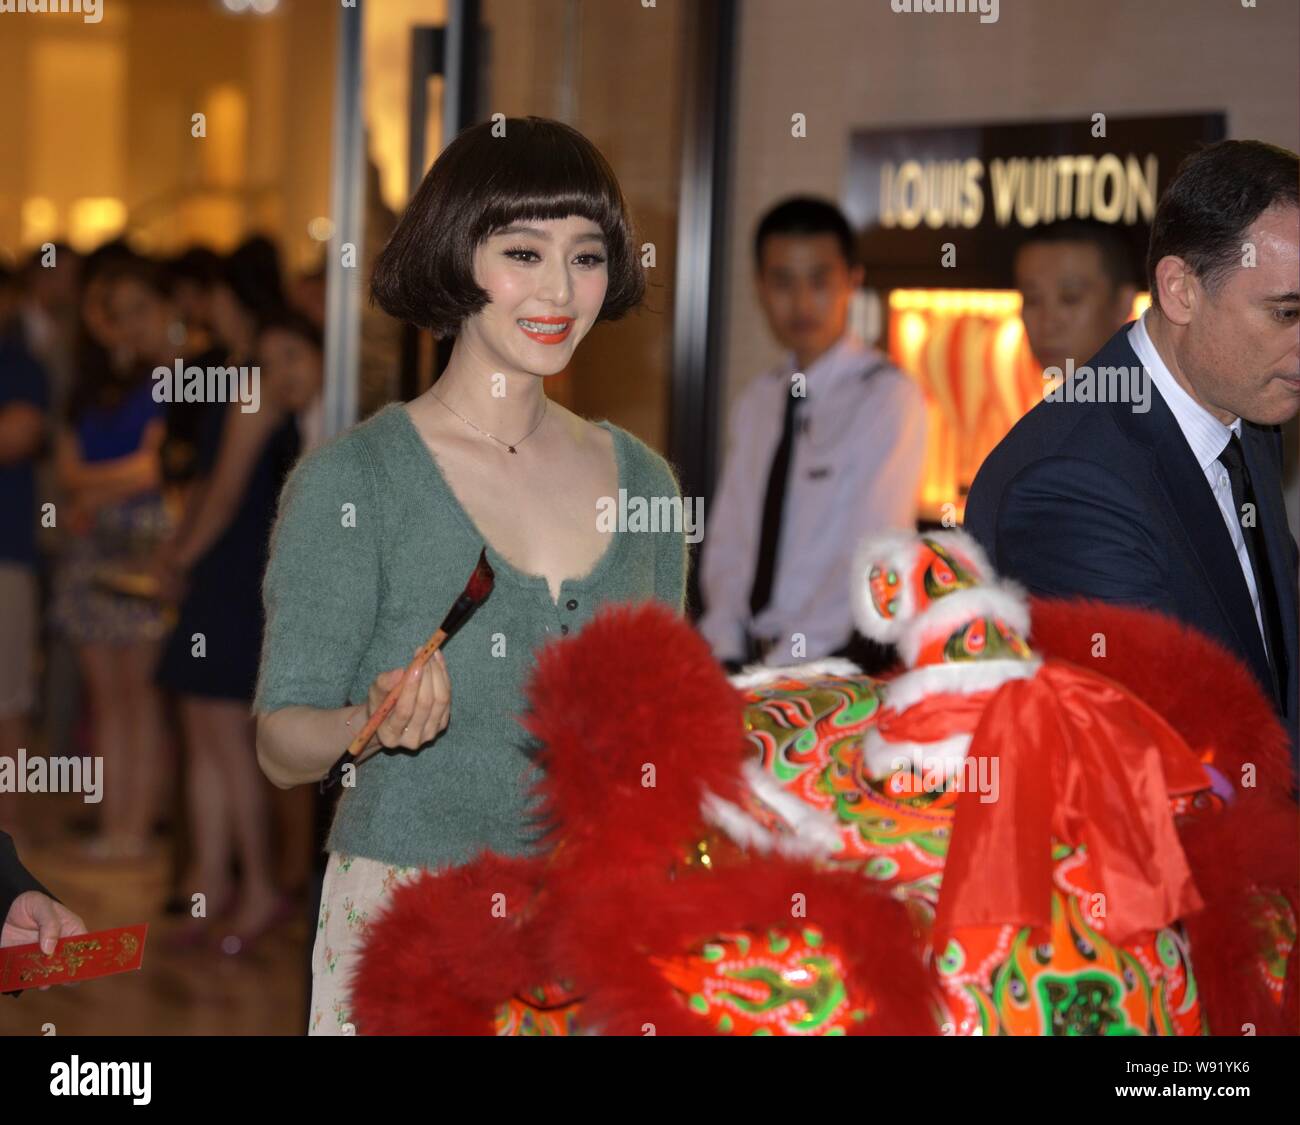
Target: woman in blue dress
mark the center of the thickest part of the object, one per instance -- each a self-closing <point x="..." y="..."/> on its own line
<point x="108" y="467"/>
<point x="215" y="562"/>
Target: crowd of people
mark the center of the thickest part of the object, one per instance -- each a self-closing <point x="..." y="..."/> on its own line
<point x="135" y="536"/>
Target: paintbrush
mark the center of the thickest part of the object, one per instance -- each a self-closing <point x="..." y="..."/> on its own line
<point x="475" y="594"/>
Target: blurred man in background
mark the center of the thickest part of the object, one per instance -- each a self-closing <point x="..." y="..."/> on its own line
<point x="824" y="449"/>
<point x="1076" y="279"/>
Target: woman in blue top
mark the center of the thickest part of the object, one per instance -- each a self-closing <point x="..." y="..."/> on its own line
<point x="108" y="465"/>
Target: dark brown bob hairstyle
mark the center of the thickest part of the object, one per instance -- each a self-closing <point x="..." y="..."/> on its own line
<point x="491" y="176"/>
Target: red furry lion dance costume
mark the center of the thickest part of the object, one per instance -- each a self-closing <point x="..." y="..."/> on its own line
<point x="1090" y="836"/>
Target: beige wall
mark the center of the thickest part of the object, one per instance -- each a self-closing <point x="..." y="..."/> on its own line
<point x="62" y="84"/>
<point x="388" y="27"/>
<point x="103" y="110"/>
<point x="850" y="64"/>
<point x="613" y="71"/>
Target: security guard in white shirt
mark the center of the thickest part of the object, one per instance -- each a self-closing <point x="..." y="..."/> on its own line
<point x="823" y="450"/>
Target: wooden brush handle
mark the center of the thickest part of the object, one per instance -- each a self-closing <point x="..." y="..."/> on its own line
<point x="426" y="650"/>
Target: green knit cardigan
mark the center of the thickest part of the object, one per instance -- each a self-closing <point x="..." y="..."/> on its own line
<point x="369" y="551"/>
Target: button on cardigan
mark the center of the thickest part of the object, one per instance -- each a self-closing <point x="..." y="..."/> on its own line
<point x="370" y="549"/>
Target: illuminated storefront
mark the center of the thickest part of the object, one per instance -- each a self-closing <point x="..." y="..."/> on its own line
<point x="967" y="349"/>
<point x="943" y="211"/>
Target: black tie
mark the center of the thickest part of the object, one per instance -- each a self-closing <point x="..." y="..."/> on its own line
<point x="773" y="503"/>
<point x="1242" y="494"/>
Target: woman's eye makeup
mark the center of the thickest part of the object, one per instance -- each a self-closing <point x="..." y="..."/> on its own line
<point x="525" y="254"/>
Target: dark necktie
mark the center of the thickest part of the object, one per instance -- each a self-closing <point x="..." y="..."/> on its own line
<point x="1242" y="494"/>
<point x="773" y="504"/>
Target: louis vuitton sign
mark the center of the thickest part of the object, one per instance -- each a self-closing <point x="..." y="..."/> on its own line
<point x="981" y="188"/>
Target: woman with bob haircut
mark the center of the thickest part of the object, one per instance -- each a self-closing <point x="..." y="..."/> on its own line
<point x="517" y="242"/>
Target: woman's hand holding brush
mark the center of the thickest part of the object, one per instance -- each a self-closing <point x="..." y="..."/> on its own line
<point x="399" y="709"/>
<point x="421" y="712"/>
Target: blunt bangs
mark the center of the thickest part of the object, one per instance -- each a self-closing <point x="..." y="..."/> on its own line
<point x="538" y="170"/>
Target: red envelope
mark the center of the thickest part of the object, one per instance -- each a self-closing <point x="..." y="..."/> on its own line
<point x="83" y="957"/>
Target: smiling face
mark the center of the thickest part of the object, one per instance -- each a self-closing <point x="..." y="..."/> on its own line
<point x="546" y="280"/>
<point x="1241" y="345"/>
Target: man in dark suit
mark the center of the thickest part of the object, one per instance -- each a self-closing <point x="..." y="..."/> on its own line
<point x="1152" y="475"/>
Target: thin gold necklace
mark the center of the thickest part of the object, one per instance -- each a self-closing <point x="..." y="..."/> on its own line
<point x="494" y="436"/>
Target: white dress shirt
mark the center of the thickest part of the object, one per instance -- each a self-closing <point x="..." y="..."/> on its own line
<point x="1207" y="437"/>
<point x="855" y="468"/>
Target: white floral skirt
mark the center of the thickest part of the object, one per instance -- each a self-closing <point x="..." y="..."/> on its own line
<point x="354" y="890"/>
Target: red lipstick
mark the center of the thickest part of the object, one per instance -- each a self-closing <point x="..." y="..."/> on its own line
<point x="551" y="335"/>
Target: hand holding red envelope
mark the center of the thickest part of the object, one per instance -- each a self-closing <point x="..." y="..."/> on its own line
<point x="78" y="958"/>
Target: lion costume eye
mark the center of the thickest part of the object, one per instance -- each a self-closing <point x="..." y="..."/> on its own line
<point x="943" y="572"/>
<point x="885" y="587"/>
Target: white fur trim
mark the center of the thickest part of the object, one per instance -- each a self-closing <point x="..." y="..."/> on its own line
<point x="756" y="675"/>
<point x="1004" y="600"/>
<point x="883" y="757"/>
<point x="742" y="828"/>
<point x="799" y="847"/>
<point x="813" y="833"/>
<point x="965" y="678"/>
<point x="817" y="830"/>
<point x="895" y="550"/>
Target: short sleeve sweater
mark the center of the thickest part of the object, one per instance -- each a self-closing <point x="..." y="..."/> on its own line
<point x="370" y="549"/>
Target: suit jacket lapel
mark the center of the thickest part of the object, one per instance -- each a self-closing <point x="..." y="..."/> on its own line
<point x="1192" y="501"/>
